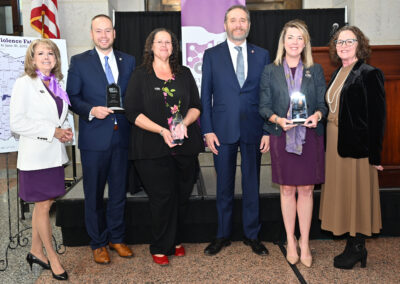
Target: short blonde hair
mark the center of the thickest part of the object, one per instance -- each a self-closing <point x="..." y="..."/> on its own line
<point x="306" y="55"/>
<point x="30" y="68"/>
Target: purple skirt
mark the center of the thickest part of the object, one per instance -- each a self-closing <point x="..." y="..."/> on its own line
<point x="40" y="185"/>
<point x="292" y="169"/>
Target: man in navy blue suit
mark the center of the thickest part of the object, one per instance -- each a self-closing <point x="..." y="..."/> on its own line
<point x="103" y="137"/>
<point x="230" y="119"/>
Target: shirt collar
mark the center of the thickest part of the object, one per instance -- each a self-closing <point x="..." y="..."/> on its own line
<point x="111" y="55"/>
<point x="231" y="45"/>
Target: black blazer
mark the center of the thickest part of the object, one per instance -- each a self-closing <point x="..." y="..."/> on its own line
<point x="362" y="113"/>
<point x="274" y="95"/>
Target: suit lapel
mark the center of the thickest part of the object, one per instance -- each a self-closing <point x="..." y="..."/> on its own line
<point x="305" y="81"/>
<point x="281" y="79"/>
<point x="251" y="61"/>
<point x="226" y="57"/>
<point x="46" y="98"/>
<point x="96" y="62"/>
<point x="120" y="61"/>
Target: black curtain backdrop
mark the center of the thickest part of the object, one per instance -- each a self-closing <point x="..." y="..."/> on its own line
<point x="132" y="28"/>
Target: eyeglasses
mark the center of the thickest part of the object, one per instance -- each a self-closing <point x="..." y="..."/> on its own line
<point x="348" y="42"/>
<point x="162" y="42"/>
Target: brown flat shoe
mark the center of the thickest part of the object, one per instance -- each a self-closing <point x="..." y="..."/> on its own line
<point x="122" y="249"/>
<point x="101" y="256"/>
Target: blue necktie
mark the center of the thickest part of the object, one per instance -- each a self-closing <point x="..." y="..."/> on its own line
<point x="240" y="66"/>
<point x="109" y="74"/>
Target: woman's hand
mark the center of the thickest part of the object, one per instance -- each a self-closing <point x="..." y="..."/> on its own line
<point x="285" y="123"/>
<point x="166" y="134"/>
<point x="312" y="120"/>
<point x="63" y="135"/>
<point x="379" y="168"/>
<point x="184" y="128"/>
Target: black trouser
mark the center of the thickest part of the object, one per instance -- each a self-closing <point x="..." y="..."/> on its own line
<point x="168" y="181"/>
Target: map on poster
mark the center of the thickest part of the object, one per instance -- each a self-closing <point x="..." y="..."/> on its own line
<point x="12" y="57"/>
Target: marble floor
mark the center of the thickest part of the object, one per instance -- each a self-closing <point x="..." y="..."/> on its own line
<point x="235" y="264"/>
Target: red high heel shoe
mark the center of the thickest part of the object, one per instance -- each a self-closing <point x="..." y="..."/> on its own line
<point x="180" y="251"/>
<point x="161" y="260"/>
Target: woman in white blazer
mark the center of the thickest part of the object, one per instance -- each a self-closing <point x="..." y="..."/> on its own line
<point x="38" y="115"/>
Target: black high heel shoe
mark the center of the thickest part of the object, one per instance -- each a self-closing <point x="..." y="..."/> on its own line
<point x="30" y="258"/>
<point x="62" y="276"/>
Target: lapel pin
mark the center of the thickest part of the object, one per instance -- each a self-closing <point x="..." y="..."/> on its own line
<point x="157" y="89"/>
<point x="308" y="74"/>
<point x="120" y="58"/>
<point x="252" y="51"/>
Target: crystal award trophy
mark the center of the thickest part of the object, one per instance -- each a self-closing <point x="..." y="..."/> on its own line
<point x="298" y="105"/>
<point x="114" y="100"/>
<point x="177" y="129"/>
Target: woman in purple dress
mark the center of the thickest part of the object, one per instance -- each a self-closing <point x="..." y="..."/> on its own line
<point x="38" y="115"/>
<point x="297" y="150"/>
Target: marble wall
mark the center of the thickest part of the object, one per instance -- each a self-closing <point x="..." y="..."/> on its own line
<point x="74" y="21"/>
<point x="377" y="19"/>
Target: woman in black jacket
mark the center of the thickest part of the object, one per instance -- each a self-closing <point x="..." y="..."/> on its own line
<point x="162" y="102"/>
<point x="356" y="99"/>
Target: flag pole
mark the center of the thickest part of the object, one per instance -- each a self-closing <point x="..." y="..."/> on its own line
<point x="42" y="24"/>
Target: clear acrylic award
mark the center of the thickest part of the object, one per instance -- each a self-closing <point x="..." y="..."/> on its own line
<point x="114" y="100"/>
<point x="299" y="107"/>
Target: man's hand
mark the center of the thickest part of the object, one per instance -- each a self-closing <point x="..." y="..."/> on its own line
<point x="101" y="112"/>
<point x="212" y="140"/>
<point x="264" y="145"/>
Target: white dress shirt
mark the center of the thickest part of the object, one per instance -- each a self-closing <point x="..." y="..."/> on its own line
<point x="114" y="69"/>
<point x="111" y="61"/>
<point x="234" y="54"/>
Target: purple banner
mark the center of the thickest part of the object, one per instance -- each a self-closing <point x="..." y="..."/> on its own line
<point x="208" y="14"/>
<point x="202" y="28"/>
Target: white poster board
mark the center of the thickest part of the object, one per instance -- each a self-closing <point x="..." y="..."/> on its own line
<point x="12" y="57"/>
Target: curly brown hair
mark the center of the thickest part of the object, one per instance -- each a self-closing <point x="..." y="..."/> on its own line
<point x="363" y="48"/>
<point x="148" y="56"/>
<point x="29" y="66"/>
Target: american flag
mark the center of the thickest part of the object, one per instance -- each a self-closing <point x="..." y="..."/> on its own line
<point x="47" y="25"/>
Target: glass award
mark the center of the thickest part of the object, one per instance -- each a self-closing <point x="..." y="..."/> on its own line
<point x="177" y="129"/>
<point x="114" y="100"/>
<point x="299" y="107"/>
